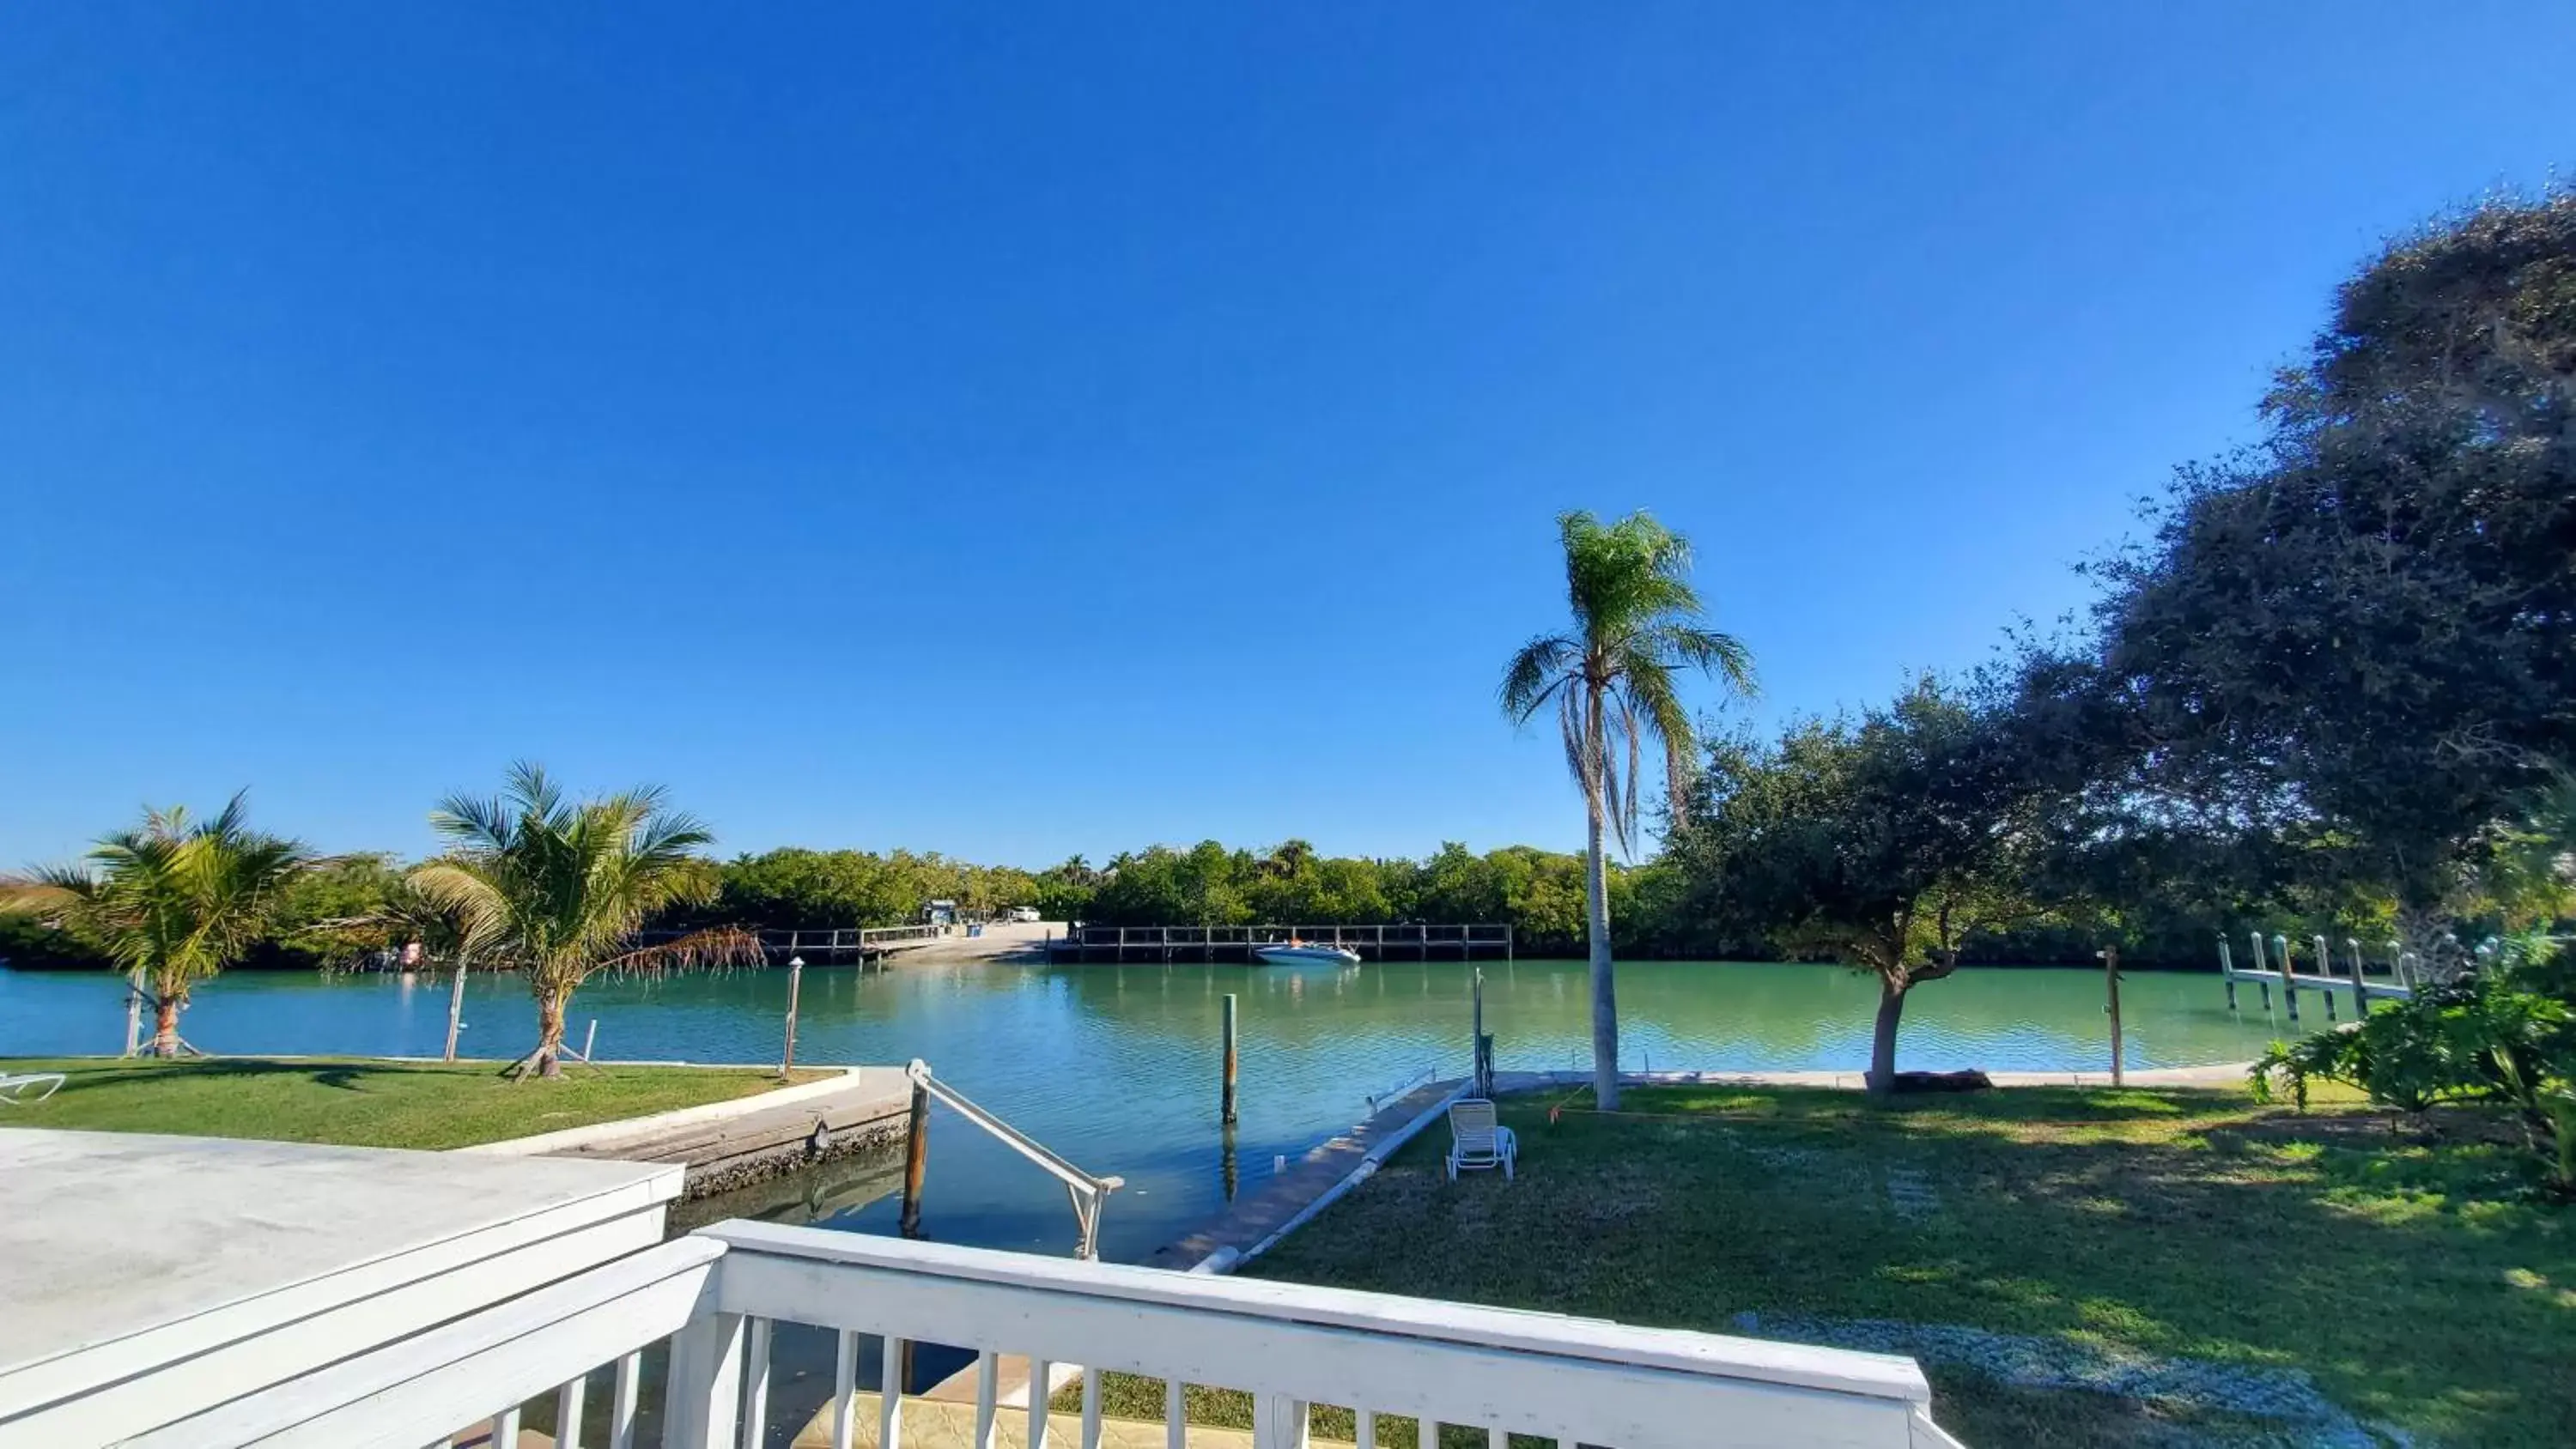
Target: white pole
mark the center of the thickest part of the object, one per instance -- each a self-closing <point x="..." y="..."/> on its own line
<point x="455" y="1008"/>
<point x="133" y="1015"/>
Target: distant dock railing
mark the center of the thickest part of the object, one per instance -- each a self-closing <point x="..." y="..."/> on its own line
<point x="1480" y="941"/>
<point x="861" y="945"/>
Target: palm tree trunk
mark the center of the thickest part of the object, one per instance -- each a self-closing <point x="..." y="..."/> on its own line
<point x="1605" y="997"/>
<point x="550" y="1030"/>
<point x="1882" y="1037"/>
<point x="165" y="1024"/>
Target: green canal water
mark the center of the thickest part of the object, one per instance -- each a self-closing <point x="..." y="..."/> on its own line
<point x="1116" y="1067"/>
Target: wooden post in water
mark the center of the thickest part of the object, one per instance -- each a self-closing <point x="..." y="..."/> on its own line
<point x="2360" y="986"/>
<point x="795" y="987"/>
<point x="590" y="1041"/>
<point x="2325" y="968"/>
<point x="2227" y="968"/>
<point x="2289" y="987"/>
<point x="134" y="1017"/>
<point x="2111" y="982"/>
<point x="916" y="1160"/>
<point x="1231" y="1061"/>
<point x="455" y="1009"/>
<point x="1480" y="1065"/>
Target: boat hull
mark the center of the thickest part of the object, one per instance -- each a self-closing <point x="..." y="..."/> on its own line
<point x="1305" y="956"/>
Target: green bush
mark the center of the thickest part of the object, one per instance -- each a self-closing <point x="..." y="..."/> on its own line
<point x="2504" y="1034"/>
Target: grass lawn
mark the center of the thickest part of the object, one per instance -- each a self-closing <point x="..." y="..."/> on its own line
<point x="360" y="1101"/>
<point x="2231" y="1270"/>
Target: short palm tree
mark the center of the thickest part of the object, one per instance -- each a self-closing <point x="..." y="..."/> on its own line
<point x="559" y="890"/>
<point x="1615" y="680"/>
<point x="174" y="902"/>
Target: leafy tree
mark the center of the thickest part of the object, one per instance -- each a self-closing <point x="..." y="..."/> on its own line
<point x="558" y="890"/>
<point x="1614" y="679"/>
<point x="2362" y="633"/>
<point x="1885" y="843"/>
<point x="172" y="902"/>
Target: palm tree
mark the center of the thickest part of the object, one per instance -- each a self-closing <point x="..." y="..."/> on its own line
<point x="559" y="890"/>
<point x="1614" y="678"/>
<point x="173" y="902"/>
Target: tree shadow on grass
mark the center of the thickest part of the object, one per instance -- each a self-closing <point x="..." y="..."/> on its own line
<point x="2401" y="1275"/>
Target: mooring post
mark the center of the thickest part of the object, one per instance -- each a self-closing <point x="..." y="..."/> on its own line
<point x="590" y="1041"/>
<point x="795" y="987"/>
<point x="2325" y="968"/>
<point x="2289" y="986"/>
<point x="2262" y="982"/>
<point x="1479" y="1067"/>
<point x="2360" y="982"/>
<point x="2227" y="969"/>
<point x="455" y="1009"/>
<point x="916" y="1160"/>
<point x="133" y="1015"/>
<point x="2111" y="982"/>
<point x="1231" y="1061"/>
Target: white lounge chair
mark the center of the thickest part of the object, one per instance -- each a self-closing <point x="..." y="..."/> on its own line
<point x="28" y="1088"/>
<point x="1476" y="1140"/>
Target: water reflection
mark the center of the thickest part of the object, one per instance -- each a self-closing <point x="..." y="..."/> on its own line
<point x="1118" y="1067"/>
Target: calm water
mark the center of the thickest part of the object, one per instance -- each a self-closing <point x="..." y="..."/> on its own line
<point x="1116" y="1066"/>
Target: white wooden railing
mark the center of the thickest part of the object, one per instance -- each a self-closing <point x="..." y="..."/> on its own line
<point x="721" y="1294"/>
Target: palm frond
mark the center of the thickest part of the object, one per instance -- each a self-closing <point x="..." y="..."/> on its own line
<point x="1541" y="669"/>
<point x="713" y="948"/>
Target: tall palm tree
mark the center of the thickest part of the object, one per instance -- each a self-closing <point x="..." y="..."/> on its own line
<point x="559" y="890"/>
<point x="174" y="901"/>
<point x="1614" y="678"/>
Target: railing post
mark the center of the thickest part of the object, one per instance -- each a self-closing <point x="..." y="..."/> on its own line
<point x="702" y="1403"/>
<point x="1279" y="1422"/>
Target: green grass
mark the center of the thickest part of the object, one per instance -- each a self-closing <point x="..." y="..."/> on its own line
<point x="358" y="1101"/>
<point x="2403" y="1270"/>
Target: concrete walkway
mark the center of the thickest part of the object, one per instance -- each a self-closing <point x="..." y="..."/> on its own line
<point x="2224" y="1074"/>
<point x="723" y="1144"/>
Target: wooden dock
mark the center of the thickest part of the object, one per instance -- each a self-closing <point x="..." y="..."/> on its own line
<point x="864" y="946"/>
<point x="1482" y="941"/>
<point x="2277" y="968"/>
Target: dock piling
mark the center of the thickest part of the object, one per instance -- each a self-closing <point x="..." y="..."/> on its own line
<point x="1231" y="1060"/>
<point x="795" y="986"/>
<point x="916" y="1159"/>
<point x="2227" y="970"/>
<point x="2111" y="982"/>
<point x="2325" y="969"/>
<point x="2289" y="986"/>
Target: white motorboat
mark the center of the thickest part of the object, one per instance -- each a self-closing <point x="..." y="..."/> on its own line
<point x="1304" y="953"/>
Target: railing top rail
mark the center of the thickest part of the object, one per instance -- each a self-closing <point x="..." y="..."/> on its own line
<point x="1841" y="1371"/>
<point x="1012" y="1137"/>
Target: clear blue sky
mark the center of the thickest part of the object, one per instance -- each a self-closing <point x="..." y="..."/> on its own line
<point x="1022" y="430"/>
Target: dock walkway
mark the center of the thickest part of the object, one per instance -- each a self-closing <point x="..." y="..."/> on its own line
<point x="1256" y="1219"/>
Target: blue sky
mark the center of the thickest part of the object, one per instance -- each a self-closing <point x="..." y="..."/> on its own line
<point x="1018" y="431"/>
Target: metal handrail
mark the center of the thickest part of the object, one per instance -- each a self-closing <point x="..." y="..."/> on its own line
<point x="1087" y="1190"/>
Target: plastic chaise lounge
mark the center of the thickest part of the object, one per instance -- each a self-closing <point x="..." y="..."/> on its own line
<point x="1476" y="1140"/>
